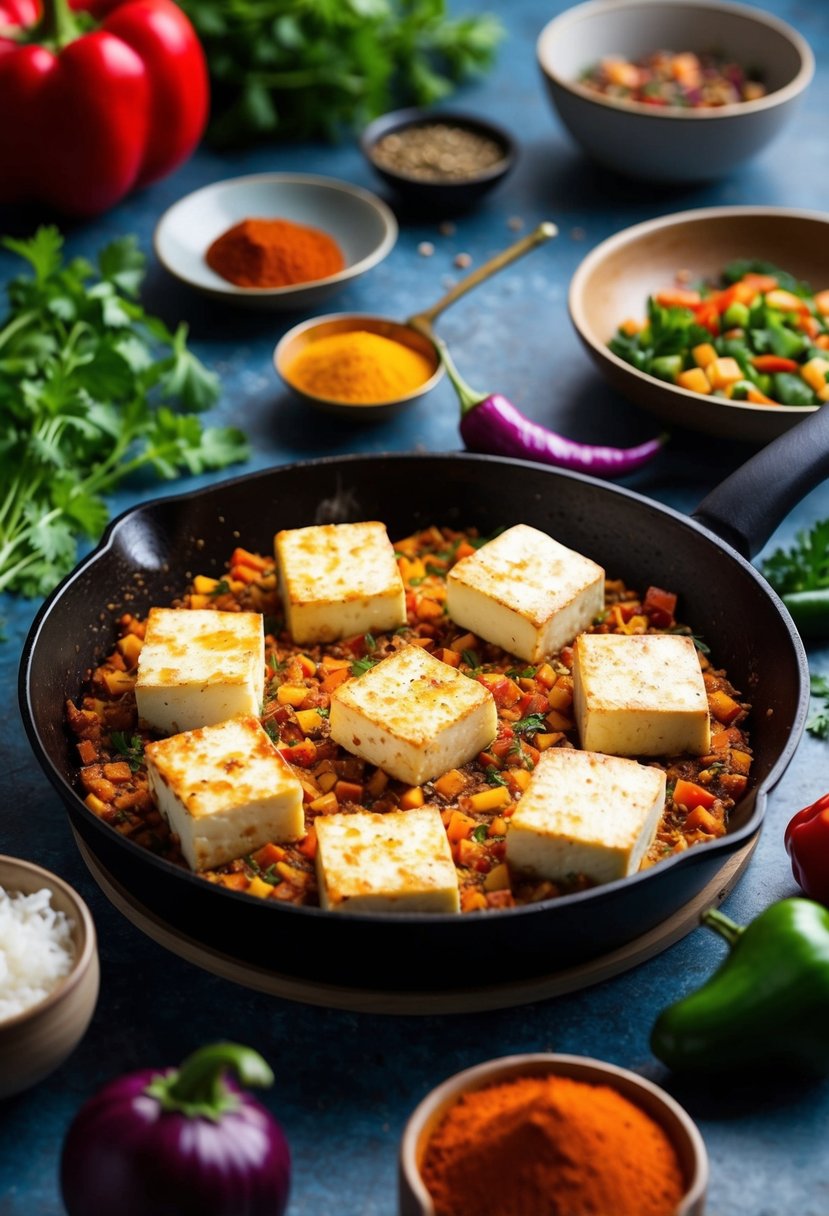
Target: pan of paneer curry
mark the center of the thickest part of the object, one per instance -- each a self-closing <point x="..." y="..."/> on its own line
<point x="414" y="722"/>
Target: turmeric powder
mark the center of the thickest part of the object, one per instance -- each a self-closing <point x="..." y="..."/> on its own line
<point x="358" y="367"/>
<point x="550" y="1146"/>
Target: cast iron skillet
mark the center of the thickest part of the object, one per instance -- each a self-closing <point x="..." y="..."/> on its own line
<point x="147" y="554"/>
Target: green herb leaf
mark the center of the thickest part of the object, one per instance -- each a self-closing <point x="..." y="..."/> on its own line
<point x="494" y="776"/>
<point x="360" y="666"/>
<point x="529" y="725"/>
<point x="131" y="749"/>
<point x="480" y="833"/>
<point x="804" y="566"/>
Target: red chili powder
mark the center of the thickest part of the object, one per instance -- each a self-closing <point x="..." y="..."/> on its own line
<point x="550" y="1146"/>
<point x="274" y="253"/>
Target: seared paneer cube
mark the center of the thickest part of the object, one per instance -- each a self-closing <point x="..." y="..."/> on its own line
<point x="225" y="791"/>
<point x="640" y="695"/>
<point x="397" y="862"/>
<point x="198" y="667"/>
<point x="585" y="813"/>
<point x="337" y="580"/>
<point x="525" y="592"/>
<point x="413" y="716"/>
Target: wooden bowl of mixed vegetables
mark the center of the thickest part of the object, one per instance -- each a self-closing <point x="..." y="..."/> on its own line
<point x="716" y="320"/>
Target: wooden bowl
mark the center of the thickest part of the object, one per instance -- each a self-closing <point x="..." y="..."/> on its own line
<point x="35" y="1042"/>
<point x="414" y="1199"/>
<point x="616" y="278"/>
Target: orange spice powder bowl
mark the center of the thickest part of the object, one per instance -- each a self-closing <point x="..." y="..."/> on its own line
<point x="415" y="1200"/>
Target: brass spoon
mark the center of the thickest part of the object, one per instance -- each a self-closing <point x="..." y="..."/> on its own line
<point x="416" y="333"/>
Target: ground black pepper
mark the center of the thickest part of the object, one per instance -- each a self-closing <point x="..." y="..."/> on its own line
<point x="437" y="152"/>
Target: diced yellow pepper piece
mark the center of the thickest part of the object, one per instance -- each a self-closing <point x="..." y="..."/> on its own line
<point x="326" y="804"/>
<point x="259" y="888"/>
<point x="490" y="800"/>
<point x="130" y="648"/>
<point x="203" y="585"/>
<point x="451" y="783"/>
<point x="545" y="739"/>
<point x="723" y="371"/>
<point x="291" y="694"/>
<point x="96" y="804"/>
<point x="498" y="878"/>
<point x="309" y="720"/>
<point x="704" y="354"/>
<point x="411" y="798"/>
<point x="695" y="380"/>
<point x="118" y="682"/>
<point x="814" y="373"/>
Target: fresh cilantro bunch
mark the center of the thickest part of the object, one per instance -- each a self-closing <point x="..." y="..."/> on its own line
<point x="87" y="384"/>
<point x="804" y="566"/>
<point x="284" y="69"/>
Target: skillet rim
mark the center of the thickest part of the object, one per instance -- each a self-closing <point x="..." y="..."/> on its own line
<point x="73" y="804"/>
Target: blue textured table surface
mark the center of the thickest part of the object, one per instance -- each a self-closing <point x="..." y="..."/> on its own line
<point x="346" y="1082"/>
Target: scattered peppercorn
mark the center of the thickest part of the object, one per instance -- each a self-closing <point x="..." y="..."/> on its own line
<point x="437" y="152"/>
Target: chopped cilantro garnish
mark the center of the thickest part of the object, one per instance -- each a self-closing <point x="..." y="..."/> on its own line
<point x="131" y="749"/>
<point x="494" y="777"/>
<point x="529" y="725"/>
<point x="272" y="731"/>
<point x="521" y="673"/>
<point x="221" y="588"/>
<point x="276" y="664"/>
<point x="470" y="657"/>
<point x="323" y="711"/>
<point x="369" y="641"/>
<point x="360" y="666"/>
<point x="480" y="833"/>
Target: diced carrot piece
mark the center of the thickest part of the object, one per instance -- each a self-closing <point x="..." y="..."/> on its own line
<point x="467" y="641"/>
<point x="306" y="665"/>
<point x="809" y="325"/>
<point x="558" y="721"/>
<point x="691" y="795"/>
<point x="500" y="899"/>
<point x="243" y="557"/>
<point x="460" y="826"/>
<point x="450" y="784"/>
<point x="118" y="682"/>
<point x="235" y="882"/>
<point x="472" y="900"/>
<point x="723" y="707"/>
<point x="561" y="695"/>
<point x="469" y="852"/>
<point x="308" y="846"/>
<point x="755" y="397"/>
<point x="376" y="783"/>
<point x="759" y="282"/>
<point x="130" y="648"/>
<point x="704" y="354"/>
<point x="545" y="675"/>
<point x="701" y="820"/>
<point x="734" y="784"/>
<point x="117" y="771"/>
<point x="678" y="297"/>
<point x="498" y="827"/>
<point x="303" y="753"/>
<point x="87" y="752"/>
<point x="517" y="780"/>
<point x="245" y="574"/>
<point x="632" y="327"/>
<point x="694" y="380"/>
<point x="268" y="855"/>
<point x="308" y="720"/>
<point x="298" y="878"/>
<point x="452" y="657"/>
<point x="349" y="791"/>
<point x="428" y="609"/>
<point x="491" y="799"/>
<point x="740" y="761"/>
<point x="334" y="679"/>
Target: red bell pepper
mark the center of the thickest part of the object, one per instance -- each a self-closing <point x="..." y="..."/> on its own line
<point x="807" y="843"/>
<point x="96" y="103"/>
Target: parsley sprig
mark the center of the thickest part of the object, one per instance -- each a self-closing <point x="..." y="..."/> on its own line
<point x="804" y="566"/>
<point x="818" y="724"/>
<point x="131" y="748"/>
<point x="88" y="380"/>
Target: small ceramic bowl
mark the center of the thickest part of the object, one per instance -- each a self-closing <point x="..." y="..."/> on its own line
<point x="35" y="1042"/>
<point x="307" y="332"/>
<point x="414" y="1199"/>
<point x="616" y="278"/>
<point x="672" y="144"/>
<point x="361" y="224"/>
<point x="446" y="197"/>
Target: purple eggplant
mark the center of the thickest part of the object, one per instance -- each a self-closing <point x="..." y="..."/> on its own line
<point x="184" y="1142"/>
<point x="492" y="424"/>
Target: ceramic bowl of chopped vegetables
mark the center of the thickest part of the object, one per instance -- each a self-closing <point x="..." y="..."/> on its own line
<point x="676" y="92"/>
<point x="49" y="973"/>
<point x="441" y="161"/>
<point x="716" y="319"/>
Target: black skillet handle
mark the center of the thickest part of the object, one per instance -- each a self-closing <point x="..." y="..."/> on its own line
<point x="746" y="508"/>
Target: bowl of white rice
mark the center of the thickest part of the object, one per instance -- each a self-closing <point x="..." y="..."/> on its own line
<point x="49" y="973"/>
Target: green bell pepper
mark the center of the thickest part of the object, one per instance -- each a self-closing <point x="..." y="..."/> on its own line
<point x="767" y="1003"/>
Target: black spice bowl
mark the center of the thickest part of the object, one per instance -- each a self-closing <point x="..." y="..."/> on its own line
<point x="439" y="160"/>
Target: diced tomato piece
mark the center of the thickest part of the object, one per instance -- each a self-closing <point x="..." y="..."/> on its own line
<point x="660" y="606"/>
<point x="774" y="363"/>
<point x="691" y="795"/>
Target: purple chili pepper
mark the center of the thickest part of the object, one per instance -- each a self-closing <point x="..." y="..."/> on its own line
<point x="492" y="424"/>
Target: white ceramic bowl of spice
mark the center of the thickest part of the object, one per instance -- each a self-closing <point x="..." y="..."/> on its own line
<point x="550" y="1133"/>
<point x="49" y="973"/>
<point x="440" y="161"/>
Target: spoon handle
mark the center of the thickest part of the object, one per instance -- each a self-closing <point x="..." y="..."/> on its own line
<point x="422" y="321"/>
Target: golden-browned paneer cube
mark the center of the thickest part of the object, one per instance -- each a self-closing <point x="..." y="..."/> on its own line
<point x="337" y="580"/>
<point x="224" y="790"/>
<point x="525" y="592"/>
<point x="640" y="695"/>
<point x="585" y="813"/>
<point x="413" y="716"/>
<point x="198" y="667"/>
<point x="397" y="862"/>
